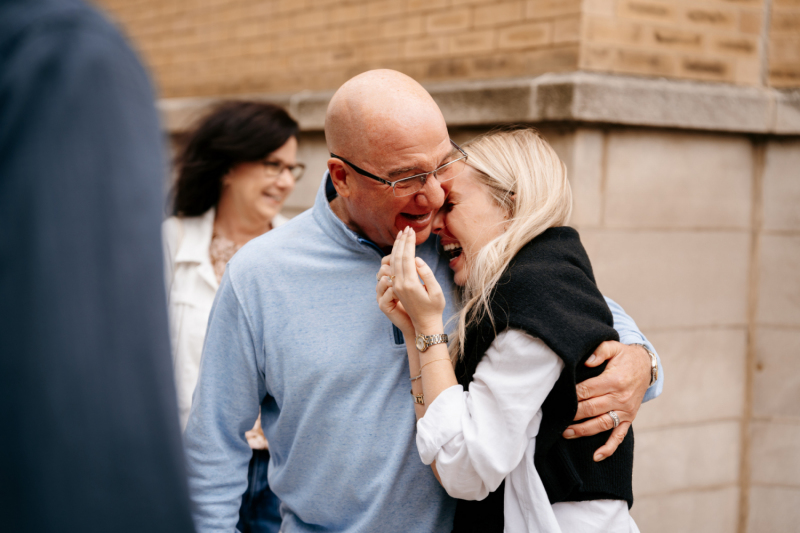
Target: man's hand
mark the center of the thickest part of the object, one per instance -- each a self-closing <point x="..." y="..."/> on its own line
<point x="620" y="388"/>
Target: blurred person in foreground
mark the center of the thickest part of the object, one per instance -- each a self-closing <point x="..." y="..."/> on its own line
<point x="236" y="170"/>
<point x="491" y="409"/>
<point x="90" y="440"/>
<point x="295" y="328"/>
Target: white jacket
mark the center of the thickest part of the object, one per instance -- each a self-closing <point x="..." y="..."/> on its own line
<point x="191" y="287"/>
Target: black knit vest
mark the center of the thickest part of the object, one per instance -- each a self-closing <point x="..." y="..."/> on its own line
<point x="549" y="291"/>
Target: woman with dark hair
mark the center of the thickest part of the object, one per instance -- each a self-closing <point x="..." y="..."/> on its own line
<point x="235" y="171"/>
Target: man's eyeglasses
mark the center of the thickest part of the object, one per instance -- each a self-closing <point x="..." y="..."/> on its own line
<point x="276" y="168"/>
<point x="412" y="184"/>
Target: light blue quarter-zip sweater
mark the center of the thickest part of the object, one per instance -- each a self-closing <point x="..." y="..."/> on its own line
<point x="296" y="329"/>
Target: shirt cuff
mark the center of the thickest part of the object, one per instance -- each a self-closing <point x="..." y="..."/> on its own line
<point x="441" y="423"/>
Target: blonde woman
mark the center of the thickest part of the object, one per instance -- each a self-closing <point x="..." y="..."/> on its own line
<point x="530" y="319"/>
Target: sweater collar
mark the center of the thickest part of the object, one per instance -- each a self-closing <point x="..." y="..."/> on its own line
<point x="333" y="226"/>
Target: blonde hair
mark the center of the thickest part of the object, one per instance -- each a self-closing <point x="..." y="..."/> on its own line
<point x="524" y="176"/>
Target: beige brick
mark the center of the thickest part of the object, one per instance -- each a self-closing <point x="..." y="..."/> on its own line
<point x="628" y="61"/>
<point x="779" y="4"/>
<point x="706" y="511"/>
<point x="603" y="8"/>
<point x="740" y="46"/>
<point x="324" y="38"/>
<point x="425" y="47"/>
<point x="787" y="22"/>
<point x="684" y="458"/>
<point x="748" y="72"/>
<point x="401" y="27"/>
<point x="785" y="50"/>
<point x="560" y="59"/>
<point x="385" y="8"/>
<point x="659" y="187"/>
<point x="705" y="372"/>
<point x="525" y="35"/>
<point x="347" y="13"/>
<point x="646" y="10"/>
<point x="710" y="17"/>
<point x="675" y="38"/>
<point x="341" y="56"/>
<point x="779" y="280"/>
<point x="707" y="68"/>
<point x="498" y="13"/>
<point x="773" y="509"/>
<point x="566" y="30"/>
<point x="776" y="383"/>
<point x="774" y="453"/>
<point x="539" y="9"/>
<point x="283" y="6"/>
<point x="750" y="22"/>
<point x="672" y="279"/>
<point x="472" y="42"/>
<point x="782" y="185"/>
<point x="425" y="5"/>
<point x="606" y="30"/>
<point x="383" y="51"/>
<point x="448" y="21"/>
<point x="312" y="18"/>
<point x="784" y="76"/>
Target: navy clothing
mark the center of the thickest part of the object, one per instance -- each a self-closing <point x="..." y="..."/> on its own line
<point x="89" y="436"/>
<point x="260" y="510"/>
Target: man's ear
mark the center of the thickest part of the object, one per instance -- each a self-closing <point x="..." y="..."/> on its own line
<point x="339" y="177"/>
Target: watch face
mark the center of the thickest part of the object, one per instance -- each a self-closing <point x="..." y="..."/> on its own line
<point x="420" y="344"/>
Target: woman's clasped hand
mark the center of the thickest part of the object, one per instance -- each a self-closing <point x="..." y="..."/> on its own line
<point x="411" y="305"/>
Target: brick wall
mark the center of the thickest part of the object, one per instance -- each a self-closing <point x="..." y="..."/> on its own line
<point x="212" y="47"/>
<point x="714" y="40"/>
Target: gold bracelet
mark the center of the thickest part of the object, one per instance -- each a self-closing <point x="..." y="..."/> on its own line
<point x="418" y="398"/>
<point x="429" y="362"/>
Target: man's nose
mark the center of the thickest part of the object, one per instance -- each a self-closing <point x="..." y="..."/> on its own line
<point x="431" y="196"/>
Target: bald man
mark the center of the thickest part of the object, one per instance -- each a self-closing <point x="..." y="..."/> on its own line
<point x="295" y="329"/>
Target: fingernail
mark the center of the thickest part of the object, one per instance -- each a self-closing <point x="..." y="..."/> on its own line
<point x="569" y="434"/>
<point x="591" y="358"/>
<point x="599" y="457"/>
<point x="420" y="262"/>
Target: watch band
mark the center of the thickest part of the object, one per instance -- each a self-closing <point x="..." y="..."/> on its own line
<point x="653" y="363"/>
<point x="423" y="342"/>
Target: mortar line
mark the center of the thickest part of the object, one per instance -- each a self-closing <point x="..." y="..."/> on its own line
<point x="745" y="466"/>
<point x="765" y="27"/>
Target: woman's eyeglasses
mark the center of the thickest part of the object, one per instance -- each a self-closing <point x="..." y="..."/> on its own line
<point x="276" y="168"/>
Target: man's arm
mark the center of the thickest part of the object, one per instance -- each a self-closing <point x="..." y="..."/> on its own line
<point x="224" y="407"/>
<point x="621" y="387"/>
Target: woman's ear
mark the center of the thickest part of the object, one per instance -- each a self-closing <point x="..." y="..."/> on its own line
<point x="339" y="177"/>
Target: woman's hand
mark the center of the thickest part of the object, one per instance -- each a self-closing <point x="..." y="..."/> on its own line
<point x="389" y="303"/>
<point x="423" y="303"/>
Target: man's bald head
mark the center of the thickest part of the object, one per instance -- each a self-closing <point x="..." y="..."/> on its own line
<point x="378" y="109"/>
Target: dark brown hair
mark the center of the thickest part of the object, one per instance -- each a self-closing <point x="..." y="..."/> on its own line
<point x="233" y="132"/>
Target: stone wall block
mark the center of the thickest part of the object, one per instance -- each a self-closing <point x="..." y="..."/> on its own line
<point x="526" y="35"/>
<point x="782" y="186"/>
<point x="779" y="281"/>
<point x="540" y="9"/>
<point x="774" y="509"/>
<point x="776" y="383"/>
<point x="582" y="152"/>
<point x="647" y="10"/>
<point x="498" y="13"/>
<point x="688" y="457"/>
<point x="678" y="180"/>
<point x="704" y="377"/>
<point x="706" y="511"/>
<point x="774" y="452"/>
<point x="671" y="279"/>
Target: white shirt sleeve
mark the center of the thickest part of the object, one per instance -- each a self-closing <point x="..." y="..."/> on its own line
<point x="477" y="437"/>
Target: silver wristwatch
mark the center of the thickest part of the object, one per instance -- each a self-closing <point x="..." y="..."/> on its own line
<point x="426" y="341"/>
<point x="653" y="363"/>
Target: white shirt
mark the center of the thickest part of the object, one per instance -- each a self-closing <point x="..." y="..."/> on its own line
<point x="486" y="434"/>
<point x="191" y="288"/>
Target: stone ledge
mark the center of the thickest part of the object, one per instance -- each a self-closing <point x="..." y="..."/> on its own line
<point x="571" y="97"/>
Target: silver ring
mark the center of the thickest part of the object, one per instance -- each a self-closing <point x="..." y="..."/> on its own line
<point x="614" y="417"/>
